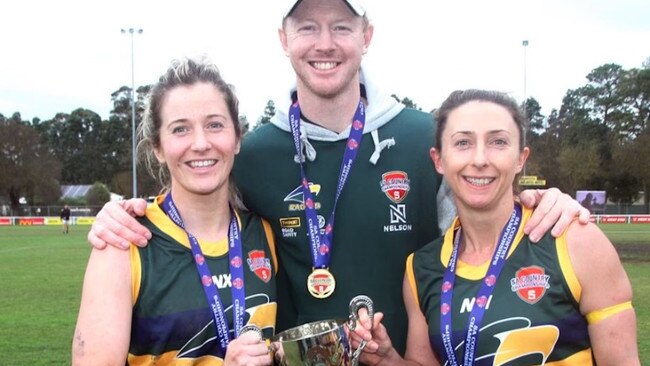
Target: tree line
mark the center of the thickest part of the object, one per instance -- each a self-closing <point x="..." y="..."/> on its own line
<point x="597" y="140"/>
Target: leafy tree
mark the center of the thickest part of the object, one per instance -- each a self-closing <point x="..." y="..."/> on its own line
<point x="578" y="164"/>
<point x="534" y="117"/>
<point x="98" y="194"/>
<point x="634" y="90"/>
<point x="629" y="161"/>
<point x="243" y="124"/>
<point x="408" y="103"/>
<point x="269" y="112"/>
<point x="28" y="169"/>
<point x="74" y="140"/>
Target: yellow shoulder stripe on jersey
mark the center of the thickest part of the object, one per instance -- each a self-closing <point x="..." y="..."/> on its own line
<point x="136" y="273"/>
<point x="410" y="275"/>
<point x="567" y="269"/>
<point x="602" y="314"/>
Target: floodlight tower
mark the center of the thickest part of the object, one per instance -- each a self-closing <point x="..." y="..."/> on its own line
<point x="133" y="31"/>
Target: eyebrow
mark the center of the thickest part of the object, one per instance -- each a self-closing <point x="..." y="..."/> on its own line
<point x="490" y="132"/>
<point x="209" y="116"/>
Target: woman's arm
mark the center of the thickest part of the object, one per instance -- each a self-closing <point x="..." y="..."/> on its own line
<point x="103" y="328"/>
<point x="380" y="350"/>
<point x="606" y="295"/>
<point x="418" y="347"/>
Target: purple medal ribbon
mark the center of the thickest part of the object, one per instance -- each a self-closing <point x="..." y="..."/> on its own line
<point x="321" y="245"/>
<point x="209" y="288"/>
<point x="482" y="297"/>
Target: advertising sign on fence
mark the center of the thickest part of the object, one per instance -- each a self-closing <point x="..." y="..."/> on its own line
<point x="28" y="221"/>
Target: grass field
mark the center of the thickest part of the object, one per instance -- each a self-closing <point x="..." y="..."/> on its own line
<point x="41" y="271"/>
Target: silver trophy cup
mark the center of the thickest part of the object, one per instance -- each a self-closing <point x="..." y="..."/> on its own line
<point x="321" y="343"/>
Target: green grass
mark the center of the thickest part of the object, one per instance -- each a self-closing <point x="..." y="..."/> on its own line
<point x="41" y="272"/>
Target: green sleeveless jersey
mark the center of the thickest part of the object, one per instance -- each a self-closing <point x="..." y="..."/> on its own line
<point x="385" y="212"/>
<point x="531" y="318"/>
<point x="172" y="322"/>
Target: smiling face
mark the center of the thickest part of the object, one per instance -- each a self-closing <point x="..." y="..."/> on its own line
<point x="480" y="154"/>
<point x="325" y="42"/>
<point x="198" y="139"/>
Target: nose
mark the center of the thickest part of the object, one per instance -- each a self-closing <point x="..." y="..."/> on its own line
<point x="325" y="40"/>
<point x="200" y="142"/>
<point x="480" y="155"/>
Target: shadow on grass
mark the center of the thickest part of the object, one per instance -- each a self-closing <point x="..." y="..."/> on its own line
<point x="633" y="253"/>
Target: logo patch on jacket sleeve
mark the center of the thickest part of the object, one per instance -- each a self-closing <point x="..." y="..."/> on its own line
<point x="530" y="283"/>
<point x="259" y="264"/>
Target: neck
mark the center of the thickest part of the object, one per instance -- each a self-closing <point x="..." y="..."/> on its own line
<point x="335" y="113"/>
<point x="482" y="231"/>
<point x="205" y="217"/>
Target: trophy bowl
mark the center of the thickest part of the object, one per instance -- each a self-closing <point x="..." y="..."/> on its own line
<point x="321" y="343"/>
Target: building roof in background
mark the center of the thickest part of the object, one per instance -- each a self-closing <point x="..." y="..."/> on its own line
<point x="74" y="191"/>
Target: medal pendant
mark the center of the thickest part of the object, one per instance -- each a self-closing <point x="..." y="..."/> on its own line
<point x="321" y="283"/>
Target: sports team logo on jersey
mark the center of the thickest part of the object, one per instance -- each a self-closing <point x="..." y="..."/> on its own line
<point x="296" y="198"/>
<point x="530" y="283"/>
<point x="259" y="264"/>
<point x="396" y="185"/>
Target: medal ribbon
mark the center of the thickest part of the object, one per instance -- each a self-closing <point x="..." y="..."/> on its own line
<point x="209" y="288"/>
<point x="321" y="245"/>
<point x="482" y="297"/>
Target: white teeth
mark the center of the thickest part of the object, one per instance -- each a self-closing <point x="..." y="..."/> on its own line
<point x="324" y="65"/>
<point x="202" y="163"/>
<point x="479" y="181"/>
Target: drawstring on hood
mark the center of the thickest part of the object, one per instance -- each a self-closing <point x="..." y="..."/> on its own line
<point x="308" y="149"/>
<point x="379" y="146"/>
<point x="380" y="110"/>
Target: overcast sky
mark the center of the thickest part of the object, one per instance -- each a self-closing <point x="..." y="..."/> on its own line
<point x="61" y="55"/>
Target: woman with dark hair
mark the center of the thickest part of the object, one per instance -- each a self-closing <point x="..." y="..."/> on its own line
<point x="484" y="294"/>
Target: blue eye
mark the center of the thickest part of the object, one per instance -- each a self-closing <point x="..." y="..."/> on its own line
<point x="500" y="142"/>
<point x="215" y="125"/>
<point x="179" y="129"/>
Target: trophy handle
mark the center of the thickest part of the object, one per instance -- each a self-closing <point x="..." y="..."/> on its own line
<point x="358" y="302"/>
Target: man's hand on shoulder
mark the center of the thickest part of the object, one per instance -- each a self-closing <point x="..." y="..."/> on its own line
<point x="553" y="209"/>
<point x="115" y="225"/>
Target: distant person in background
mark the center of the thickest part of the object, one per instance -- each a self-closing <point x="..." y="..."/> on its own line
<point x="65" y="217"/>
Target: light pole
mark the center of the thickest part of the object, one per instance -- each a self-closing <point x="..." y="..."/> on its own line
<point x="525" y="44"/>
<point x="132" y="31"/>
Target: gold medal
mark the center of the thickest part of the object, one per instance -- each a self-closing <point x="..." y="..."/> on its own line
<point x="321" y="283"/>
